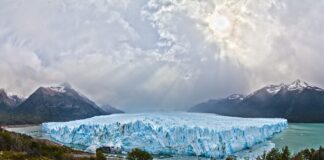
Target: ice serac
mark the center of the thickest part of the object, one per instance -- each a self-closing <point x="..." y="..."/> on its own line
<point x="202" y="134"/>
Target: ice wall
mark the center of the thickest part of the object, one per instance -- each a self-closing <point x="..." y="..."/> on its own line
<point x="202" y="134"/>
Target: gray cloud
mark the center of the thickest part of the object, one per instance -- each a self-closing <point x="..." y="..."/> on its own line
<point x="159" y="55"/>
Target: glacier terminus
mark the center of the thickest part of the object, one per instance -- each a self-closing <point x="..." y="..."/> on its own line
<point x="174" y="133"/>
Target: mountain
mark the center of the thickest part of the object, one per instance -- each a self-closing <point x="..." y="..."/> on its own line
<point x="108" y="108"/>
<point x="297" y="102"/>
<point x="8" y="102"/>
<point x="61" y="103"/>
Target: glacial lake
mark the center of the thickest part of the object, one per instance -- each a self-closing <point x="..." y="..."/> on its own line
<point x="298" y="136"/>
<point x="301" y="135"/>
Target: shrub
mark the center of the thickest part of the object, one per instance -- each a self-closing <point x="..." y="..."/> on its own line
<point x="137" y="154"/>
<point x="17" y="146"/>
<point x="230" y="158"/>
<point x="100" y="155"/>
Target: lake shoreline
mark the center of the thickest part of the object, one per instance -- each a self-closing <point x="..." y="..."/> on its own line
<point x="20" y="125"/>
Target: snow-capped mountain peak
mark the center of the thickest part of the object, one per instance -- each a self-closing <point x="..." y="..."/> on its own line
<point x="297" y="85"/>
<point x="297" y="101"/>
<point x="10" y="95"/>
<point x="10" y="99"/>
<point x="17" y="98"/>
<point x="274" y="89"/>
<point x="60" y="89"/>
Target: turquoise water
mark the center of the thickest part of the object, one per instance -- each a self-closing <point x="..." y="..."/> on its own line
<point x="300" y="136"/>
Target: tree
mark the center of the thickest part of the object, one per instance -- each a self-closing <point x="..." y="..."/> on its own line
<point x="285" y="153"/>
<point x="137" y="154"/>
<point x="274" y="154"/>
<point x="318" y="155"/>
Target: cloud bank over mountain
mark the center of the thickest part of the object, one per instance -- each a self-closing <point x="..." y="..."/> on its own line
<point x="159" y="55"/>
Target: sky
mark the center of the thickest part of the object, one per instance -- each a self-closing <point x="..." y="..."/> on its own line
<point x="153" y="55"/>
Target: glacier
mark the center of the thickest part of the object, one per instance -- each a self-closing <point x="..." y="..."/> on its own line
<point x="192" y="134"/>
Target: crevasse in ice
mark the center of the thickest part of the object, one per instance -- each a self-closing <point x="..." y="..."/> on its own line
<point x="198" y="134"/>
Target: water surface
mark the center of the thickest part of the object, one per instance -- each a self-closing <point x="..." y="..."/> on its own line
<point x="299" y="136"/>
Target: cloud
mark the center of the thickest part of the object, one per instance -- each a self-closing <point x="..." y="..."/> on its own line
<point x="159" y="55"/>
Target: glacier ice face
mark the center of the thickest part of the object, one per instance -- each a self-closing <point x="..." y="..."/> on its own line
<point x="199" y="134"/>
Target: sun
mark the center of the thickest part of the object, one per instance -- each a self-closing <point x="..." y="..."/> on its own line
<point x="219" y="24"/>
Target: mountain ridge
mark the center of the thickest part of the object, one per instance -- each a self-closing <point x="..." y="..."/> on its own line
<point x="54" y="103"/>
<point x="8" y="101"/>
<point x="297" y="102"/>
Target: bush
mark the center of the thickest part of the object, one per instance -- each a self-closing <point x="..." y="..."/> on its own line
<point x="230" y="158"/>
<point x="100" y="155"/>
<point x="137" y="154"/>
<point x="17" y="146"/>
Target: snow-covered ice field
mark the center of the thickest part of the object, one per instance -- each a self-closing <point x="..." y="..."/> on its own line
<point x="178" y="133"/>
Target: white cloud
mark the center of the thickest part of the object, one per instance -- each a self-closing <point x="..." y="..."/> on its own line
<point x="153" y="54"/>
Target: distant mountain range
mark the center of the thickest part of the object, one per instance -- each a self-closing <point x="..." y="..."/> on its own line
<point x="297" y="102"/>
<point x="60" y="103"/>
<point x="8" y="102"/>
